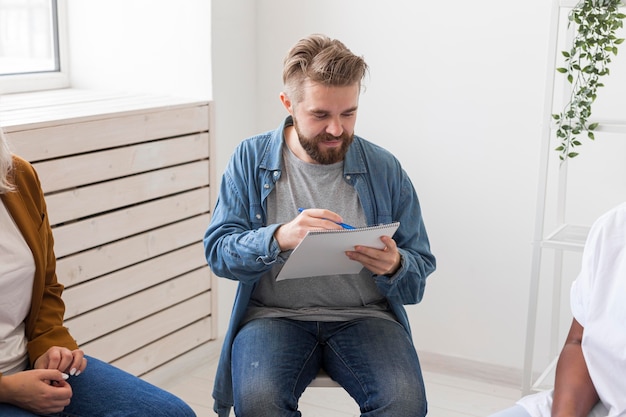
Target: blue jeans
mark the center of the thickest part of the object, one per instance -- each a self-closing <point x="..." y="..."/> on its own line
<point x="105" y="391"/>
<point x="274" y="360"/>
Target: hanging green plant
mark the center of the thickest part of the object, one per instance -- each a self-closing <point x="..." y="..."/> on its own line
<point x="595" y="41"/>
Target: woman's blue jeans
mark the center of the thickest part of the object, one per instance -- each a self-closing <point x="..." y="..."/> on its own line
<point x="274" y="360"/>
<point x="105" y="391"/>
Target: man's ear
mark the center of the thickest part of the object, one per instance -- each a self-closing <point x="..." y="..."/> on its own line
<point x="286" y="102"/>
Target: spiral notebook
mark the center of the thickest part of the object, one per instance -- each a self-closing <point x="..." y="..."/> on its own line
<point x="322" y="252"/>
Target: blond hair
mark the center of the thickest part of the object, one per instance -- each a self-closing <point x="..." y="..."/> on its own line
<point x="322" y="60"/>
<point x="6" y="165"/>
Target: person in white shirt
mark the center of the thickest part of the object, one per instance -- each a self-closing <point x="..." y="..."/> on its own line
<point x="591" y="370"/>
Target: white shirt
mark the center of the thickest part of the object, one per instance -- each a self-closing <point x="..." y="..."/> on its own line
<point x="17" y="271"/>
<point x="598" y="302"/>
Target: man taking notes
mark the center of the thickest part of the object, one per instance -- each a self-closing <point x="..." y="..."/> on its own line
<point x="354" y="326"/>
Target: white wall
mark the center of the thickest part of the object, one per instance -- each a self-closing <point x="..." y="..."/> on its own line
<point x="456" y="92"/>
<point x="141" y="46"/>
<point x="234" y="60"/>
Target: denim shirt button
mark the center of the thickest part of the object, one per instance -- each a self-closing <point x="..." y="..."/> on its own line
<point x="258" y="216"/>
<point x="266" y="186"/>
<point x="348" y="177"/>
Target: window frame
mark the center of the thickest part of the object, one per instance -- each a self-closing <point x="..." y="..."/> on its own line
<point x="26" y="82"/>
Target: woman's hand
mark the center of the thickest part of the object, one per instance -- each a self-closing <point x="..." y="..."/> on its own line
<point x="41" y="391"/>
<point x="71" y="362"/>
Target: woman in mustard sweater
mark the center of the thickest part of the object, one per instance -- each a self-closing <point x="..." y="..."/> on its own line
<point x="42" y="370"/>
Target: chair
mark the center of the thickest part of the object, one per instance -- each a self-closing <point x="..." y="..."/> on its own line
<point x="322" y="380"/>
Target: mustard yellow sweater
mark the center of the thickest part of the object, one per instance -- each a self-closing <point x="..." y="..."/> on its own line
<point x="44" y="323"/>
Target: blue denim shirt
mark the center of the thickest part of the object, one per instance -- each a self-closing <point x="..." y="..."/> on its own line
<point x="239" y="244"/>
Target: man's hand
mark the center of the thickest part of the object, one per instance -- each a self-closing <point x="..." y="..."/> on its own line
<point x="71" y="362"/>
<point x="289" y="235"/>
<point x="384" y="261"/>
<point x="41" y="391"/>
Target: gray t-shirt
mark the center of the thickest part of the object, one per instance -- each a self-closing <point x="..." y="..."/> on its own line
<point x="326" y="298"/>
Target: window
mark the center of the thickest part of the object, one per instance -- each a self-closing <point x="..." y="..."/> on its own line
<point x="32" y="43"/>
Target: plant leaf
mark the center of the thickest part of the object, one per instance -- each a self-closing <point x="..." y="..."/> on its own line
<point x="594" y="43"/>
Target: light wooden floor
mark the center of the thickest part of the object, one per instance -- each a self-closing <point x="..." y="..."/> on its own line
<point x="455" y="388"/>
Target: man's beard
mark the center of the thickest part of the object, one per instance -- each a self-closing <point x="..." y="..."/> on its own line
<point x="331" y="155"/>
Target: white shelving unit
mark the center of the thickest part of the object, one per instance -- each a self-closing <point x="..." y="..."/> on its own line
<point x="553" y="232"/>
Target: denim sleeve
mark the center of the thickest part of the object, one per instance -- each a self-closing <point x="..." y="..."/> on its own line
<point x="236" y="244"/>
<point x="407" y="285"/>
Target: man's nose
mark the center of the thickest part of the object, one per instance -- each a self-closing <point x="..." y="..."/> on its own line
<point x="334" y="128"/>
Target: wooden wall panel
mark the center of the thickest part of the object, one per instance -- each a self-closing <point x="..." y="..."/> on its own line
<point x="105" y="259"/>
<point x="127" y="183"/>
<point x="85" y="201"/>
<point x="110" y="226"/>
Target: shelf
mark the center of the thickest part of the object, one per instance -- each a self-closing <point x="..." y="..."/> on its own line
<point x="549" y="277"/>
<point x="604" y="126"/>
<point x="611" y="126"/>
<point x="569" y="237"/>
<point x="563" y="238"/>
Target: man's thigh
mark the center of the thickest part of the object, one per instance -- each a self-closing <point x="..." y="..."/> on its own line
<point x="278" y="353"/>
<point x="376" y="362"/>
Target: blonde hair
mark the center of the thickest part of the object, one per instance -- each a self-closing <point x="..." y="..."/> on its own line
<point x="322" y="60"/>
<point x="6" y="165"/>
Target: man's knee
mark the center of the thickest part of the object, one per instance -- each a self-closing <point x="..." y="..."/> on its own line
<point x="261" y="400"/>
<point x="400" y="397"/>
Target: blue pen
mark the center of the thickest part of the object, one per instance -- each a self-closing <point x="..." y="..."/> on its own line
<point x="344" y="225"/>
